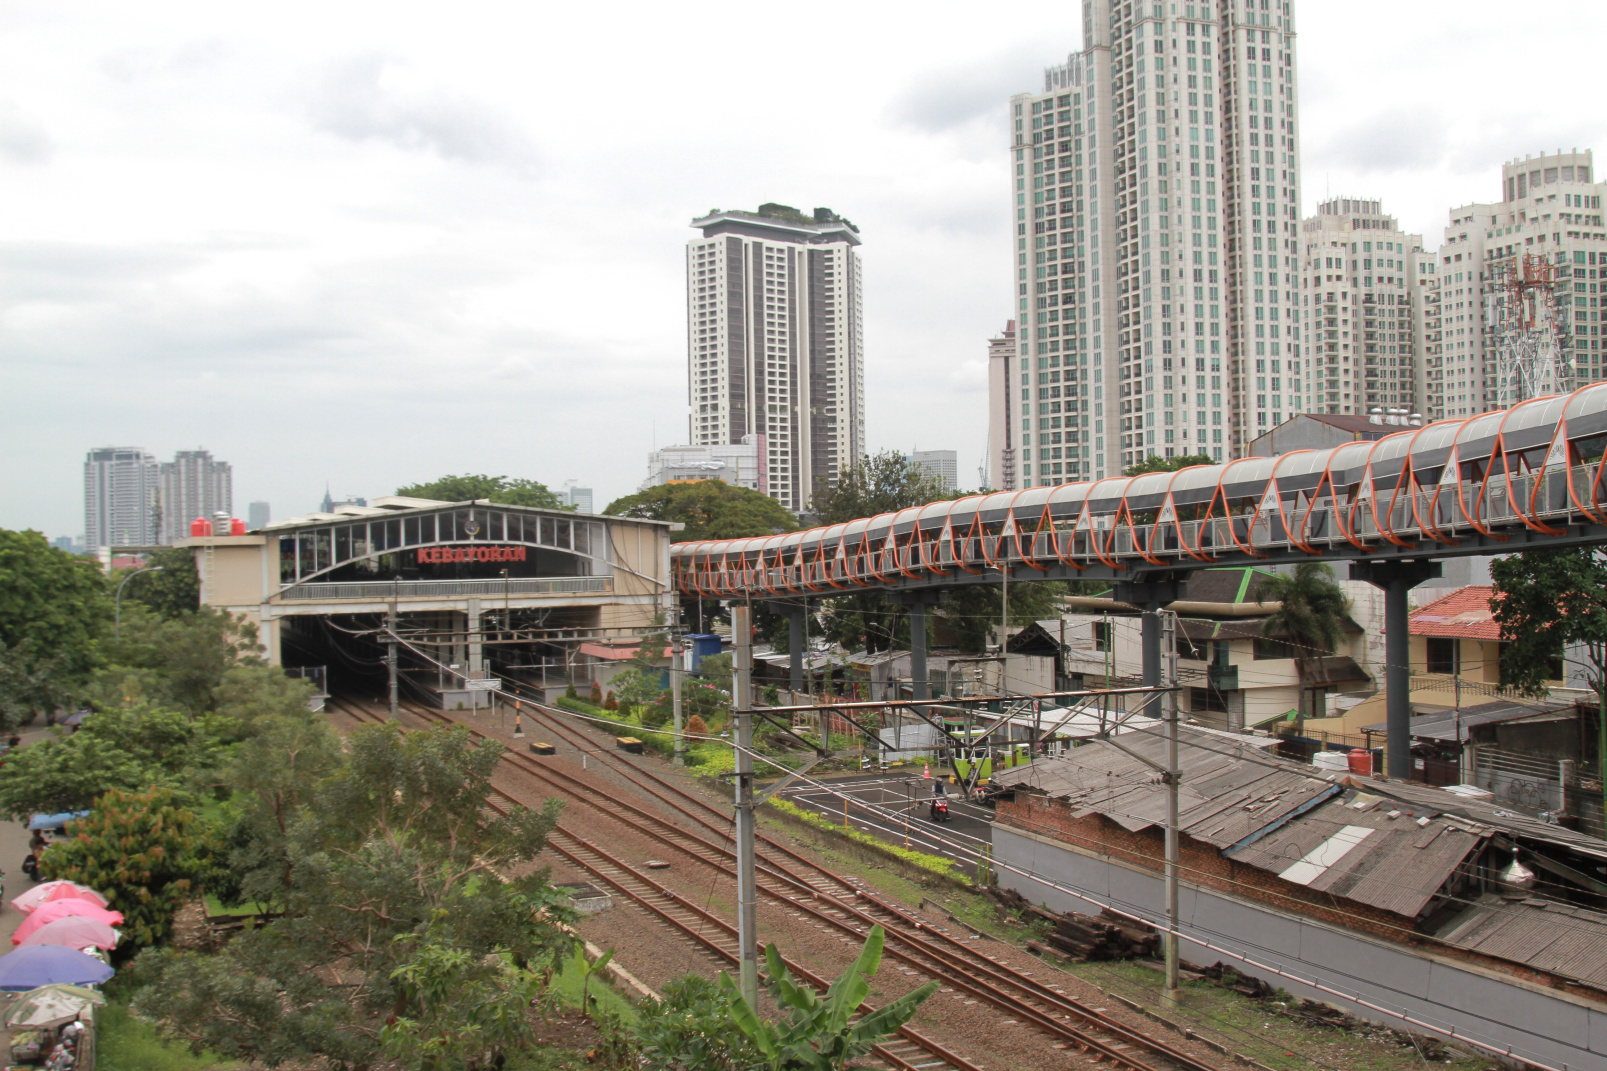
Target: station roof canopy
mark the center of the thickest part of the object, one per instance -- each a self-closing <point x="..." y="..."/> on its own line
<point x="401" y="505"/>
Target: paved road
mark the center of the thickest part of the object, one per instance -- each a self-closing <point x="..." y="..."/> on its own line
<point x="13" y="849"/>
<point x="970" y="824"/>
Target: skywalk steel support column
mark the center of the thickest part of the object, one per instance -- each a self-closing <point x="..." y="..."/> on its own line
<point x="747" y="886"/>
<point x="795" y="646"/>
<point x="917" y="602"/>
<point x="1396" y="578"/>
<point x="918" y="680"/>
<point x="1149" y="594"/>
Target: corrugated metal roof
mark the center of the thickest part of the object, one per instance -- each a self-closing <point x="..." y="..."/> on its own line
<point x="1453" y="725"/>
<point x="1398" y="867"/>
<point x="1430" y="800"/>
<point x="1549" y="936"/>
<point x="1229" y="791"/>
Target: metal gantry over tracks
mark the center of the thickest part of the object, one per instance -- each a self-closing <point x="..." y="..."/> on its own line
<point x="705" y="833"/>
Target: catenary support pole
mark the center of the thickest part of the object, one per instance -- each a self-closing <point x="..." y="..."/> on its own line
<point x="1174" y="779"/>
<point x="747" y="887"/>
<point x="677" y="661"/>
<point x="390" y="649"/>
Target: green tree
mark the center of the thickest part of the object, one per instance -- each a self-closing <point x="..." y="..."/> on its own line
<point x="689" y="1029"/>
<point x="31" y="685"/>
<point x="634" y="688"/>
<point x="466" y="1010"/>
<point x="717" y="670"/>
<point x="498" y="489"/>
<point x="974" y="611"/>
<point x="275" y="774"/>
<point x="179" y="661"/>
<point x="821" y="1034"/>
<point x="1310" y="619"/>
<point x="710" y="509"/>
<point x="54" y="606"/>
<point x="1545" y="600"/>
<point x="881" y="483"/>
<point x="1167" y="464"/>
<point x="174" y="591"/>
<point x="392" y="858"/>
<point x="140" y="849"/>
<point x="123" y="748"/>
<point x="247" y="693"/>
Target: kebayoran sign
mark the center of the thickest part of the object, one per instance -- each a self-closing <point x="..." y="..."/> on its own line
<point x="438" y="555"/>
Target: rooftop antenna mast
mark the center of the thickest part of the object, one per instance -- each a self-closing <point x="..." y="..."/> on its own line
<point x="1522" y="315"/>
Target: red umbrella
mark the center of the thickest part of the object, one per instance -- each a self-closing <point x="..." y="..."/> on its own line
<point x="74" y="931"/>
<point x="60" y="909"/>
<point x="56" y="890"/>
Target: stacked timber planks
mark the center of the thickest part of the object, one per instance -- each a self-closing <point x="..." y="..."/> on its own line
<point x="1101" y="937"/>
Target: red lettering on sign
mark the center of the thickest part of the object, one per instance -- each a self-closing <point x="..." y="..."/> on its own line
<point x="434" y="555"/>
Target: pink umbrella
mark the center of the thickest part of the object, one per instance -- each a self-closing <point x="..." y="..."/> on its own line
<point x="60" y="909"/>
<point x="56" y="890"/>
<point x="74" y="931"/>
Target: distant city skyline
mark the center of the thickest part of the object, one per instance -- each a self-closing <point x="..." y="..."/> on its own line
<point x="392" y="219"/>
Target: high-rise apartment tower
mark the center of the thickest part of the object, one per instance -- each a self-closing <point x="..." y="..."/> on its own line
<point x="193" y="485"/>
<point x="1366" y="309"/>
<point x="1552" y="211"/>
<point x="775" y="343"/>
<point x="120" y="498"/>
<point x="1155" y="188"/>
<point x="1006" y="405"/>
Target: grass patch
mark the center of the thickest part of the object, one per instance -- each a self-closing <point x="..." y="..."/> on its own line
<point x="124" y="1042"/>
<point x="1259" y="1029"/>
<point x="216" y="908"/>
<point x="940" y="865"/>
<point x="548" y="1058"/>
<point x="566" y="987"/>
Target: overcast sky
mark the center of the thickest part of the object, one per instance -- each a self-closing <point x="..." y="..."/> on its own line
<point x="370" y="243"/>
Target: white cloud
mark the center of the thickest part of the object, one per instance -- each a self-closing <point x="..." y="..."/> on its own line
<point x="359" y="98"/>
<point x="22" y="141"/>
<point x="371" y="243"/>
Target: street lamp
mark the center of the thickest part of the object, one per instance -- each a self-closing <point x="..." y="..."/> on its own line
<point x="117" y="602"/>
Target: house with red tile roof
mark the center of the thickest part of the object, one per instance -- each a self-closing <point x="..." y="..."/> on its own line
<point x="1457" y="635"/>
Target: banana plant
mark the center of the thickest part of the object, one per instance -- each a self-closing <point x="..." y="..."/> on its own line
<point x="822" y="1034"/>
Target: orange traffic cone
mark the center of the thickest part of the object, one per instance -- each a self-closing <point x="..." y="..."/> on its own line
<point x="926" y="770"/>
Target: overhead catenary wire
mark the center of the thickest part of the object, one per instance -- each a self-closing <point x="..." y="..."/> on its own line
<point x="1205" y="743"/>
<point x="1204" y="937"/>
<point x="952" y="839"/>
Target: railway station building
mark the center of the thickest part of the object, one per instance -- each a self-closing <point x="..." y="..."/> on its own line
<point x="478" y="589"/>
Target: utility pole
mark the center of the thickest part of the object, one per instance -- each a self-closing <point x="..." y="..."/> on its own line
<point x="390" y="644"/>
<point x="1173" y="777"/>
<point x="742" y="717"/>
<point x="679" y="743"/>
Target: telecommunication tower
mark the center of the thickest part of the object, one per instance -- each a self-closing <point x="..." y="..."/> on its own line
<point x="1522" y="316"/>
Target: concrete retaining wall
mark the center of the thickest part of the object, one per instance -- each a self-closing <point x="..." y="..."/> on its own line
<point x="1550" y="1028"/>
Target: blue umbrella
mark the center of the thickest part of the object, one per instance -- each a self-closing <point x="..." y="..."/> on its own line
<point x="54" y="821"/>
<point x="32" y="966"/>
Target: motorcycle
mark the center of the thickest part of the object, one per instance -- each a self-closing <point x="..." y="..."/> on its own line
<point x="939" y="810"/>
<point x="30" y="866"/>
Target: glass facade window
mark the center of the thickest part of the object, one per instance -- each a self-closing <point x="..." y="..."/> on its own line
<point x="303" y="555"/>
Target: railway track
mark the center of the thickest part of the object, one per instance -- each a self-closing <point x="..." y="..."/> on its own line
<point x="909" y="1050"/>
<point x="810" y="891"/>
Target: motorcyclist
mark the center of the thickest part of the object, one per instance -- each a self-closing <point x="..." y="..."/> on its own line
<point x="938" y="810"/>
